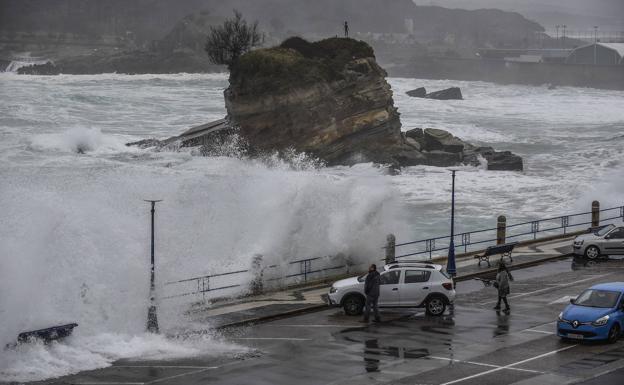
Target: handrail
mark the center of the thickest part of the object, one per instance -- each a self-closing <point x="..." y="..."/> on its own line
<point x="430" y="243"/>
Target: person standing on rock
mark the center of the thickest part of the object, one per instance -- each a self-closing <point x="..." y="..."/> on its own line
<point x="502" y="284"/>
<point x="346" y="29"/>
<point x="371" y="289"/>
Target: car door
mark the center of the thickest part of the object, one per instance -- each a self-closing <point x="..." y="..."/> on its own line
<point x="614" y="242"/>
<point x="415" y="287"/>
<point x="389" y="288"/>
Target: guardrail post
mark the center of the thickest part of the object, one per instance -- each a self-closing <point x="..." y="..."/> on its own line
<point x="256" y="286"/>
<point x="595" y="213"/>
<point x="390" y="248"/>
<point x="501" y="229"/>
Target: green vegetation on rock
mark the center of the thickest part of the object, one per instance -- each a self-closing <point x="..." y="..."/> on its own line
<point x="297" y="62"/>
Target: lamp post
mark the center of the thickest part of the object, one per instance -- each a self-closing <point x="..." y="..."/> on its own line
<point x="450" y="262"/>
<point x="152" y="316"/>
<point x="595" y="44"/>
<point x="557" y="28"/>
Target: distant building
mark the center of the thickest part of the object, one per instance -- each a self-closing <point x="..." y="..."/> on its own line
<point x="598" y="54"/>
<point x="529" y="55"/>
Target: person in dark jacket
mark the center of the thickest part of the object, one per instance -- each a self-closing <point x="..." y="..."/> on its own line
<point x="371" y="289"/>
<point x="503" y="277"/>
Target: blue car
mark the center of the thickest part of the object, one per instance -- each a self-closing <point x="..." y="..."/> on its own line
<point x="596" y="314"/>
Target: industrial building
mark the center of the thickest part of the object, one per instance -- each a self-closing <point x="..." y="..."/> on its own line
<point x="598" y="54"/>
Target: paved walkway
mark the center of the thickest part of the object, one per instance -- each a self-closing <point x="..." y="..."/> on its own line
<point x="292" y="301"/>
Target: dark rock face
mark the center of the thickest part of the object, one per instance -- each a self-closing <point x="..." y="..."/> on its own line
<point x="440" y="140"/>
<point x="496" y="160"/>
<point x="453" y="93"/>
<point x="39" y="69"/>
<point x="329" y="99"/>
<point x="417" y="93"/>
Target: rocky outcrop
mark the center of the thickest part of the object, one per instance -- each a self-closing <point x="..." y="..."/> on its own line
<point x="420" y="92"/>
<point x="440" y="148"/>
<point x="453" y="93"/>
<point x="329" y="99"/>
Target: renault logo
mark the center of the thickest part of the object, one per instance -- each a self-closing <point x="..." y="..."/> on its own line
<point x="575" y="324"/>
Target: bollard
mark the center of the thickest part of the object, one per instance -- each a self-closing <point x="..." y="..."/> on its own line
<point x="390" y="248"/>
<point x="595" y="214"/>
<point x="501" y="229"/>
<point x="256" y="286"/>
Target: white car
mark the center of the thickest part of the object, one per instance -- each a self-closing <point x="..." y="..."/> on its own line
<point x="403" y="284"/>
<point x="604" y="240"/>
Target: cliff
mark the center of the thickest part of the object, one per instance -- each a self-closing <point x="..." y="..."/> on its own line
<point x="329" y="99"/>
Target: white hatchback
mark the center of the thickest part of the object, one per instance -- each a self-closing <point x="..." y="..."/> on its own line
<point x="403" y="284"/>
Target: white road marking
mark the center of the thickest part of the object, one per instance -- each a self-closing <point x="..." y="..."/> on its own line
<point x="273" y="338"/>
<point x="319" y="326"/>
<point x="165" y="366"/>
<point x="178" y="375"/>
<point x="108" y="383"/>
<point x="537" y="331"/>
<point x="483" y="364"/>
<point x="549" y="288"/>
<point x="564" y="299"/>
<point x="508" y="366"/>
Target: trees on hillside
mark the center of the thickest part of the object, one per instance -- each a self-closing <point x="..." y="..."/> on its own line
<point x="229" y="41"/>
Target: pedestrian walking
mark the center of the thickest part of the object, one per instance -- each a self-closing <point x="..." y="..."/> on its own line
<point x="346" y="29"/>
<point x="371" y="289"/>
<point x="503" y="277"/>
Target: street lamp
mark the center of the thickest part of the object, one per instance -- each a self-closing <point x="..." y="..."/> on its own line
<point x="450" y="262"/>
<point x="564" y="35"/>
<point x="595" y="44"/>
<point x="152" y="316"/>
<point x="557" y="28"/>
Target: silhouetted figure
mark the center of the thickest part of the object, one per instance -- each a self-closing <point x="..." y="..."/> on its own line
<point x="346" y="28"/>
<point x="371" y="289"/>
<point x="502" y="284"/>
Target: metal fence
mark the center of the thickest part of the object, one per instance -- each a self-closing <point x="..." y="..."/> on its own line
<point x="531" y="230"/>
<point x="309" y="269"/>
<point x="283" y="275"/>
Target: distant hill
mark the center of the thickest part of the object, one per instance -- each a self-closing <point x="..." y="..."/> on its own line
<point x="148" y="20"/>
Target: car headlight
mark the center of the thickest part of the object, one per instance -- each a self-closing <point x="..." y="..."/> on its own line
<point x="560" y="317"/>
<point x="332" y="290"/>
<point x="601" y="321"/>
<point x="579" y="243"/>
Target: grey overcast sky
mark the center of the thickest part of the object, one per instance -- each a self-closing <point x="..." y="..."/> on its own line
<point x="608" y="14"/>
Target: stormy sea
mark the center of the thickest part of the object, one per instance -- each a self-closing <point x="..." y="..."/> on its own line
<point x="74" y="238"/>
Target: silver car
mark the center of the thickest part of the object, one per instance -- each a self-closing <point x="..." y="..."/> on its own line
<point x="606" y="240"/>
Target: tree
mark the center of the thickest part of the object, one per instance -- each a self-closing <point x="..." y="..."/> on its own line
<point x="228" y="42"/>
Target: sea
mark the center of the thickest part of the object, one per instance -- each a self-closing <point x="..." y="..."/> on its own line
<point x="74" y="228"/>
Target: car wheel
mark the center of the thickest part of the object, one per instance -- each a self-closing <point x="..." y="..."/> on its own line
<point x="614" y="333"/>
<point x="353" y="305"/>
<point x="592" y="252"/>
<point x="435" y="306"/>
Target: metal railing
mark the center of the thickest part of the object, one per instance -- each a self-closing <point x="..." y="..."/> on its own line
<point x="305" y="270"/>
<point x="288" y="274"/>
<point x="478" y="239"/>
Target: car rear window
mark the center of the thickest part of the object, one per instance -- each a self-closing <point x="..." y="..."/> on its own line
<point x="598" y="298"/>
<point x="416" y="276"/>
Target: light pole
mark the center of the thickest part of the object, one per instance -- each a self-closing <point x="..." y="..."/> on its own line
<point x="564" y="35"/>
<point x="595" y="44"/>
<point x="152" y="316"/>
<point x="557" y="28"/>
<point x="450" y="262"/>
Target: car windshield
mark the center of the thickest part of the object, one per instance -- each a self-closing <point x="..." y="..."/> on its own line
<point x="604" y="230"/>
<point x="598" y="298"/>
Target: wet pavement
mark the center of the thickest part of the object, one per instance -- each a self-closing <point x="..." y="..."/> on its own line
<point x="470" y="344"/>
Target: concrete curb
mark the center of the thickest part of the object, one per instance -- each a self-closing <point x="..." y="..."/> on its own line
<point x="266" y="318"/>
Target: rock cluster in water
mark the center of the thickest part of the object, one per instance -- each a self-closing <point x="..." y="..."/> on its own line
<point x="453" y="93"/>
<point x="330" y="100"/>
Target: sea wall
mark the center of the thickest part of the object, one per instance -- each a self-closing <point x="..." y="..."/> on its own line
<point x="501" y="71"/>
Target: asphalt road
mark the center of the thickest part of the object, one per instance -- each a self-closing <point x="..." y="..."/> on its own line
<point x="471" y="344"/>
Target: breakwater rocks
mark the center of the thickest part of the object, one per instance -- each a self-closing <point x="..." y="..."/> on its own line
<point x="453" y="93"/>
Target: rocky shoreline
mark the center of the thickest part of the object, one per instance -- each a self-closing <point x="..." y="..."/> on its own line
<point x="330" y="100"/>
